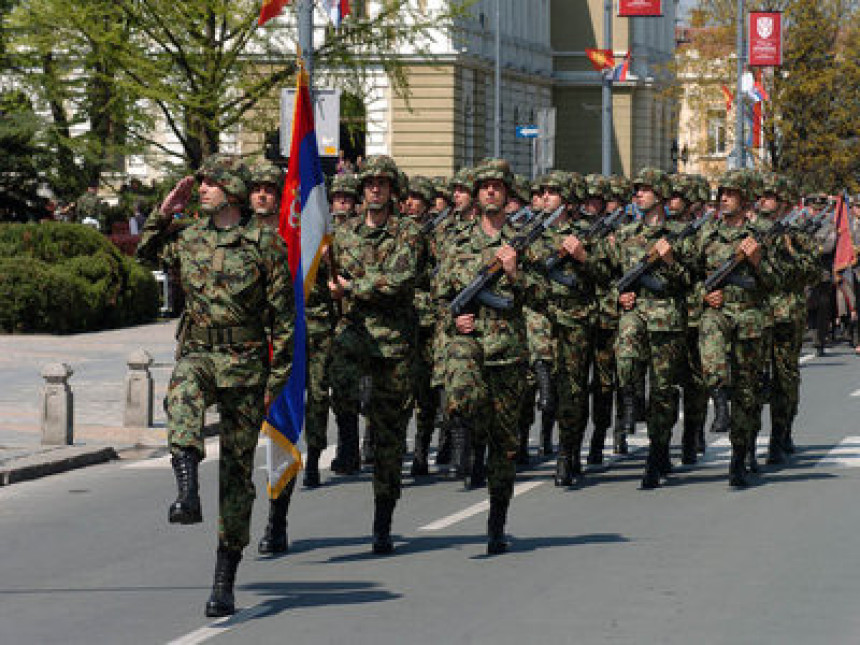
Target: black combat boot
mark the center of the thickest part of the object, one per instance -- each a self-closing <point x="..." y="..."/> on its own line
<point x="443" y="454"/>
<point x="420" y="466"/>
<point x="627" y="421"/>
<point x="737" y="471"/>
<point x="775" y="454"/>
<point x="701" y="444"/>
<point x="721" y="410"/>
<point x="312" y="469"/>
<point x="651" y="478"/>
<point x="564" y="470"/>
<point x="221" y="602"/>
<point x="347" y="459"/>
<point x="689" y="443"/>
<point x="186" y="509"/>
<point x="619" y="444"/>
<point x="641" y="398"/>
<point x="383" y="509"/>
<point x="547" y="421"/>
<point x="368" y="452"/>
<point x="595" y="450"/>
<point x="752" y="461"/>
<point x="788" y="446"/>
<point x="664" y="459"/>
<point x="496" y="544"/>
<point x="477" y="476"/>
<point x="461" y="446"/>
<point x="274" y="540"/>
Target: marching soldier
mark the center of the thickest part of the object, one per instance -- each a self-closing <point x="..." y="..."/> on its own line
<point x="234" y="276"/>
<point x="378" y="267"/>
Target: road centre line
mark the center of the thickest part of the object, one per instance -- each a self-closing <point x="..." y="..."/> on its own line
<point x="806" y="358"/>
<point x="219" y="627"/>
<point x="845" y="454"/>
<point x="475" y="509"/>
<point x="855" y="393"/>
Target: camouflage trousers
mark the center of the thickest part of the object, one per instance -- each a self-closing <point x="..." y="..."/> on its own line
<point x="426" y="396"/>
<point x="191" y="390"/>
<point x="605" y="376"/>
<point x="664" y="353"/>
<point x="574" y="352"/>
<point x="318" y="400"/>
<point x="785" y="382"/>
<point x="733" y="362"/>
<point x="389" y="405"/>
<point x="490" y="398"/>
<point x="695" y="392"/>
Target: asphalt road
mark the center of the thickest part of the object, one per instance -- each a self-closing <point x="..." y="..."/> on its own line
<point x="88" y="557"/>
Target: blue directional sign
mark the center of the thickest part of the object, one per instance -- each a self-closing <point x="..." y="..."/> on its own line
<point x="527" y="132"/>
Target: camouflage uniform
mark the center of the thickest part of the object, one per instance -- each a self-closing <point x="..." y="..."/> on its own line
<point x="346" y="183"/>
<point x="486" y="369"/>
<point x="376" y="336"/>
<point x="730" y="338"/>
<point x="653" y="330"/>
<point x="232" y="278"/>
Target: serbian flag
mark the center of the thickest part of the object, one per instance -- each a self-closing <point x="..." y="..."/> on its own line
<point x="271" y="9"/>
<point x="601" y="59"/>
<point x="337" y="10"/>
<point x="620" y="72"/>
<point x="844" y="257"/>
<point x="305" y="225"/>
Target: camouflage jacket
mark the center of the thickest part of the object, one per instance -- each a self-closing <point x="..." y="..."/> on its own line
<point x="664" y="310"/>
<point x="500" y="333"/>
<point x="382" y="266"/>
<point x="794" y="259"/>
<point x="425" y="306"/>
<point x="714" y="245"/>
<point x="564" y="305"/>
<point x="234" y="278"/>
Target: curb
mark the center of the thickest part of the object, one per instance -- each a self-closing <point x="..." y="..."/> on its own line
<point x="53" y="462"/>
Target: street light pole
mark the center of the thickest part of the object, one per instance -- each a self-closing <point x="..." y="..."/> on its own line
<point x="606" y="165"/>
<point x="740" y="152"/>
<point x="497" y="120"/>
<point x="305" y="18"/>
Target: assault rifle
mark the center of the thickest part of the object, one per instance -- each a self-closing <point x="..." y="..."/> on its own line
<point x="478" y="290"/>
<point x="725" y="273"/>
<point x="431" y="224"/>
<point x="811" y="225"/>
<point x="601" y="227"/>
<point x="641" y="272"/>
<point x="522" y="216"/>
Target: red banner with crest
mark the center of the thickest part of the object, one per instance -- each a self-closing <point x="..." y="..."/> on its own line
<point x="628" y="8"/>
<point x="765" y="39"/>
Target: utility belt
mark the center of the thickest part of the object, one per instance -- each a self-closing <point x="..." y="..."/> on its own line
<point x="214" y="336"/>
<point x="741" y="297"/>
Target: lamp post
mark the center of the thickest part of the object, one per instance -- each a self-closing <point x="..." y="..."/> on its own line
<point x="606" y="138"/>
<point x="497" y="117"/>
<point x="740" y="152"/>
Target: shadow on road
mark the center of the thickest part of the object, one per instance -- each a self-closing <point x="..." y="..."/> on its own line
<point x="281" y="596"/>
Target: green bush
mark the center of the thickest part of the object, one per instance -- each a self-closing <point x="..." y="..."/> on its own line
<point x="62" y="278"/>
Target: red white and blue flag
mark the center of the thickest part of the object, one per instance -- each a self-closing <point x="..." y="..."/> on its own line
<point x="305" y="225"/>
<point x="620" y="72"/>
<point x="337" y="10"/>
<point x="271" y="9"/>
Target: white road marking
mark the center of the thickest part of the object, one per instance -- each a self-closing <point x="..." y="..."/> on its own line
<point x="213" y="451"/>
<point x="475" y="509"/>
<point x="806" y="358"/>
<point x="855" y="393"/>
<point x="219" y="627"/>
<point x="719" y="452"/>
<point x="846" y="454"/>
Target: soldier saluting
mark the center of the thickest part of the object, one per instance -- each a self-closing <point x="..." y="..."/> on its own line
<point x="234" y="277"/>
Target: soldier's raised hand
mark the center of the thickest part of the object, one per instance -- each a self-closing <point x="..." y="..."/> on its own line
<point x="465" y="323"/>
<point x="664" y="250"/>
<point x="177" y="199"/>
<point x="715" y="299"/>
<point x="627" y="300"/>
<point x="508" y="257"/>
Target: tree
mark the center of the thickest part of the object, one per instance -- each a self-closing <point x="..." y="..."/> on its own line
<point x="20" y="159"/>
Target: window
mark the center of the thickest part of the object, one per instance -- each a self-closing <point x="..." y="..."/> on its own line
<point x="716" y="132"/>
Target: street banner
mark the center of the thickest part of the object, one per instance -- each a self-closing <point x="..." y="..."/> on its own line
<point x="629" y="8"/>
<point x="765" y="39"/>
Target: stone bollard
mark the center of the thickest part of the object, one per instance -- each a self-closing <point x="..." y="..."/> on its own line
<point x="138" y="391"/>
<point x="56" y="406"/>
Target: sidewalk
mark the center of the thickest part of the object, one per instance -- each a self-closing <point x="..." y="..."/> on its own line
<point x="99" y="364"/>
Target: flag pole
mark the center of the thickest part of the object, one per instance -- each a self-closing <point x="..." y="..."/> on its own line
<point x="606" y="138"/>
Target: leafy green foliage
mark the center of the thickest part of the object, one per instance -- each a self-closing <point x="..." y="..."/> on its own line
<point x="63" y="278"/>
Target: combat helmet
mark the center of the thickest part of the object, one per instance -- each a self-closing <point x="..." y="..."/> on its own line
<point x="522" y="188"/>
<point x="265" y="172"/>
<point x="755" y="183"/>
<point x="736" y="179"/>
<point x="557" y="180"/>
<point x="441" y="186"/>
<point x="597" y="185"/>
<point x="622" y="188"/>
<point x="346" y="183"/>
<point x="464" y="177"/>
<point x="423" y="187"/>
<point x="379" y="166"/>
<point x="657" y="179"/>
<point x="683" y="186"/>
<point x="402" y="185"/>
<point x="229" y="172"/>
<point x="578" y="189"/>
<point x="493" y="168"/>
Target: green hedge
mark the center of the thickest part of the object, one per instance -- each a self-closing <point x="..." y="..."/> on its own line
<point x="61" y="278"/>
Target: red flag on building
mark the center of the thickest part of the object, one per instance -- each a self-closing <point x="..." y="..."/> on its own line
<point x="601" y="59"/>
<point x="727" y="93"/>
<point x="271" y="9"/>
